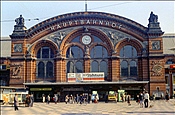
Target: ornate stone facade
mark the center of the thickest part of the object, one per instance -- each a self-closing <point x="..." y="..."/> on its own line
<point x="114" y="32"/>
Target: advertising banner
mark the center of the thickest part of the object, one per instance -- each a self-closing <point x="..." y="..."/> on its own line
<point x="80" y="77"/>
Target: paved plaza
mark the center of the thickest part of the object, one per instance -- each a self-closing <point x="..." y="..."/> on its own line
<point x="159" y="108"/>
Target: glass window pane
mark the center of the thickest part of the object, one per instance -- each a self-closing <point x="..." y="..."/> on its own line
<point x="96" y="39"/>
<point x="124" y="68"/>
<point x="49" y="70"/>
<point x="104" y="68"/>
<point x="45" y="52"/>
<point x="41" y="70"/>
<point x="74" y="52"/>
<point x="94" y="66"/>
<point x="77" y="39"/>
<point x="51" y="53"/>
<point x="127" y="51"/>
<point x="39" y="53"/>
<point x="70" y="67"/>
<point x="78" y="67"/>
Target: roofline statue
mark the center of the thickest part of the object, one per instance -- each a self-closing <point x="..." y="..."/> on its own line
<point x="153" y="18"/>
<point x="20" y="21"/>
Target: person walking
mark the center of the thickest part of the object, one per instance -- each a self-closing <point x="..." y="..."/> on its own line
<point x="77" y="98"/>
<point x="141" y="99"/>
<point x="16" y="102"/>
<point x="31" y="100"/>
<point x="166" y="97"/>
<point x="44" y="98"/>
<point x="146" y="97"/>
<point x="128" y="100"/>
<point x="48" y="99"/>
<point x="55" y="98"/>
<point x="66" y="99"/>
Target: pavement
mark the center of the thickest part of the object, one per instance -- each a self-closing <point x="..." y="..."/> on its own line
<point x="160" y="107"/>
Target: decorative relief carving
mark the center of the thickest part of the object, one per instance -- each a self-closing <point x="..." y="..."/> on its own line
<point x="115" y="36"/>
<point x="156" y="68"/>
<point x="17" y="48"/>
<point x="16" y="69"/>
<point x="155" y="45"/>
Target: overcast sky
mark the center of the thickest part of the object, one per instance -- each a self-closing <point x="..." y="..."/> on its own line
<point x="135" y="10"/>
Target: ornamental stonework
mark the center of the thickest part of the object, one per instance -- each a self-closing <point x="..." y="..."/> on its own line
<point x="15" y="71"/>
<point x="156" y="68"/>
<point x="17" y="48"/>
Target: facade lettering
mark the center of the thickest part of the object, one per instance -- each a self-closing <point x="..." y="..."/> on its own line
<point x="64" y="24"/>
<point x="76" y="22"/>
<point x="82" y="22"/>
<point x="88" y="22"/>
<point x="94" y="21"/>
<point x="100" y="22"/>
<point x="70" y="23"/>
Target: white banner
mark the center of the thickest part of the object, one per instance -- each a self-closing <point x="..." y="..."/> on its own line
<point x="78" y="77"/>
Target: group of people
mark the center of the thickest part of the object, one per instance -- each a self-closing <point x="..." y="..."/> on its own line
<point x="143" y="99"/>
<point x="28" y="101"/>
<point x="81" y="98"/>
<point x="47" y="98"/>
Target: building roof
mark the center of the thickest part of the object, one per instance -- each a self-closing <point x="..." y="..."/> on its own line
<point x="169" y="43"/>
<point x="5" y="47"/>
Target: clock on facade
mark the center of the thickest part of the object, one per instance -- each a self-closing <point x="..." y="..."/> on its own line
<point x="86" y="39"/>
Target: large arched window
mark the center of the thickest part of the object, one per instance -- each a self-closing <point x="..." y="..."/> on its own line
<point x="128" y="62"/>
<point x="45" y="63"/>
<point x="99" y="59"/>
<point x="74" y="57"/>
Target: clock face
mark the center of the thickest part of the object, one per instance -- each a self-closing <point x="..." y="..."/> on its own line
<point x="86" y="39"/>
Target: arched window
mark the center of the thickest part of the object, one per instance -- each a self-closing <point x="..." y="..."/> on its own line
<point x="74" y="57"/>
<point x="45" y="63"/>
<point x="128" y="61"/>
<point x="99" y="59"/>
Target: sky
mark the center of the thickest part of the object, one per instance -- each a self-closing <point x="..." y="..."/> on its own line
<point x="138" y="11"/>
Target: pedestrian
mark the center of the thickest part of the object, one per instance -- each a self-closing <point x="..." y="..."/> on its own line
<point x="166" y="97"/>
<point x="44" y="98"/>
<point x="128" y="100"/>
<point x="27" y="100"/>
<point x="141" y="99"/>
<point x="146" y="99"/>
<point x="55" y="98"/>
<point x="81" y="98"/>
<point x="31" y="100"/>
<point x="89" y="98"/>
<point x="48" y="99"/>
<point x="106" y="98"/>
<point x="77" y="98"/>
<point x="97" y="98"/>
<point x="16" y="102"/>
<point x="66" y="99"/>
<point x="154" y="98"/>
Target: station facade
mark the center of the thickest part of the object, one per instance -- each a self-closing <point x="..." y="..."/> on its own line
<point x="66" y="54"/>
